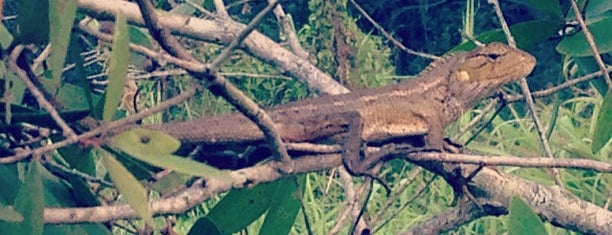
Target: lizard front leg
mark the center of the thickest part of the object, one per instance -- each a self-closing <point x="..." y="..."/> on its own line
<point x="354" y="159"/>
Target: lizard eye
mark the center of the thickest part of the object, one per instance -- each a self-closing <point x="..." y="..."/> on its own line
<point x="493" y="56"/>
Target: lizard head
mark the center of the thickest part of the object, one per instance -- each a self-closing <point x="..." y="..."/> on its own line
<point x="482" y="71"/>
<point x="496" y="62"/>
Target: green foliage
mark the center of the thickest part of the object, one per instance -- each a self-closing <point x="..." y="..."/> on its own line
<point x="522" y="220"/>
<point x="6" y="38"/>
<point x="9" y="215"/>
<point x="577" y="45"/>
<point x="118" y="68"/>
<point x="285" y="204"/>
<point x="340" y="45"/>
<point x="155" y="148"/>
<point x="128" y="186"/>
<point x="342" y="49"/>
<point x="527" y="34"/>
<point x="32" y="22"/>
<point x="29" y="202"/>
<point x="61" y="16"/>
<point x="603" y="127"/>
<point x="241" y="207"/>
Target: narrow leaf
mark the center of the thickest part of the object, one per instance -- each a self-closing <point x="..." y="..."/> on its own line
<point x="522" y="219"/>
<point x="30" y="201"/>
<point x="154" y="147"/>
<point x="61" y="17"/>
<point x="603" y="127"/>
<point x="284" y="206"/>
<point x="6" y="38"/>
<point x="240" y="207"/>
<point x="118" y="68"/>
<point x="10" y="215"/>
<point x="126" y="183"/>
<point x="204" y="226"/>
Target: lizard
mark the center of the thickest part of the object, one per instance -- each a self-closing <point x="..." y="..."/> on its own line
<point x="416" y="110"/>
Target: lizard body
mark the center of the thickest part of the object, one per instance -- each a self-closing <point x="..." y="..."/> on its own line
<point x="422" y="106"/>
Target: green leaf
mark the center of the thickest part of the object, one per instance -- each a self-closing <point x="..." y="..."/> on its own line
<point x="526" y="34"/>
<point x="74" y="55"/>
<point x="597" y="9"/>
<point x="61" y="16"/>
<point x="6" y="38"/>
<point x="240" y="207"/>
<point x="10" y="215"/>
<point x="552" y="9"/>
<point x="79" y="158"/>
<point x="204" y="226"/>
<point x="284" y="207"/>
<point x="117" y="71"/>
<point x="168" y="183"/>
<point x="603" y="127"/>
<point x="154" y="147"/>
<point x="576" y="45"/>
<point x="33" y="22"/>
<point x="146" y="142"/>
<point x="10" y="183"/>
<point x="30" y="202"/>
<point x="522" y="220"/>
<point x="126" y="183"/>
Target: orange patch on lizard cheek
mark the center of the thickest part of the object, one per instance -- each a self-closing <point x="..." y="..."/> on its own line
<point x="462" y="76"/>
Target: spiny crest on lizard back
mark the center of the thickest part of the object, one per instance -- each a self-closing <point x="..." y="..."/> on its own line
<point x="443" y="62"/>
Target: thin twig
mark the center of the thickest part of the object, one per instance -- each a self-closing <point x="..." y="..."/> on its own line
<point x="351" y="199"/>
<point x="243" y="34"/>
<point x="394" y="198"/>
<point x="288" y="28"/>
<point x="40" y="98"/>
<point x="186" y="94"/>
<point x="64" y="170"/>
<point x="218" y="84"/>
<point x="476" y="119"/>
<point x="552" y="90"/>
<point x="220" y="7"/>
<point x="528" y="98"/>
<point x="389" y="36"/>
<point x="584" y="164"/>
<point x="591" y="41"/>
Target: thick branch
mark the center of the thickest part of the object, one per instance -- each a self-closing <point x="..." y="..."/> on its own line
<point x="494" y="189"/>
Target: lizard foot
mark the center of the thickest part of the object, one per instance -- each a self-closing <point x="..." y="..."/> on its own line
<point x="369" y="171"/>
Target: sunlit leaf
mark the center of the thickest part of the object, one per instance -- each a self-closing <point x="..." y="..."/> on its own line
<point x="128" y="186"/>
<point x="117" y="71"/>
<point x="10" y="215"/>
<point x="6" y="38"/>
<point x="154" y="147"/>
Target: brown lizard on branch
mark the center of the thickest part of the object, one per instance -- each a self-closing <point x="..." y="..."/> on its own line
<point x="415" y="110"/>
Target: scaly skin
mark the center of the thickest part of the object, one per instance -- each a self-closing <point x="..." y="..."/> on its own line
<point x="422" y="106"/>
